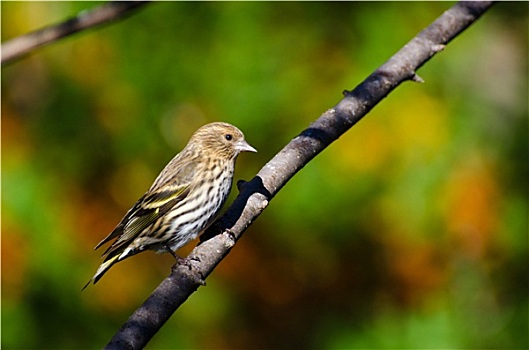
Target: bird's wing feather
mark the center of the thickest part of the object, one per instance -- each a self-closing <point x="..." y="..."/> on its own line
<point x="152" y="205"/>
<point x="147" y="212"/>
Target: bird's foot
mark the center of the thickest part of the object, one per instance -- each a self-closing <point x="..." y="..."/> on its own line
<point x="190" y="263"/>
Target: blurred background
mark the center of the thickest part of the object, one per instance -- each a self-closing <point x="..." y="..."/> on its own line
<point x="410" y="231"/>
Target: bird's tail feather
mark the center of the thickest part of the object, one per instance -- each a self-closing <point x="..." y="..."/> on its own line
<point x="102" y="269"/>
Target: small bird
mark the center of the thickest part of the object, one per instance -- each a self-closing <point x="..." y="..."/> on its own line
<point x="183" y="200"/>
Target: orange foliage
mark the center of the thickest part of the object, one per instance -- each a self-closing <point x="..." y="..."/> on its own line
<point x="416" y="268"/>
<point x="14" y="262"/>
<point x="14" y="132"/>
<point x="471" y="212"/>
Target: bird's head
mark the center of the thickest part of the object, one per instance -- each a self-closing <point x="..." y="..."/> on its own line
<point x="224" y="140"/>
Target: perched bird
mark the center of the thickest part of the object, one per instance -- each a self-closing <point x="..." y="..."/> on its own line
<point x="183" y="200"/>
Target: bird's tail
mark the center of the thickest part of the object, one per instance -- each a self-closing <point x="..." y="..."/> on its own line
<point x="102" y="269"/>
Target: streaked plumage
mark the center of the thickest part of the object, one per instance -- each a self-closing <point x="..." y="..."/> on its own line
<point x="183" y="200"/>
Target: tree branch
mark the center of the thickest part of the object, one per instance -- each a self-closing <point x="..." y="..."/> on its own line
<point x="24" y="44"/>
<point x="256" y="194"/>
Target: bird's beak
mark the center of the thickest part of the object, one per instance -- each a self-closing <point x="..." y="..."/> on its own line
<point x="243" y="146"/>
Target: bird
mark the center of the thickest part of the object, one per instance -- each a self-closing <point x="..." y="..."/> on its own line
<point x="183" y="200"/>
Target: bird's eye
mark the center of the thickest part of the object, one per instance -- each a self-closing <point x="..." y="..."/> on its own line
<point x="228" y="137"/>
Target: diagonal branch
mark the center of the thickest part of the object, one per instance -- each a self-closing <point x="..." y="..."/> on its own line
<point x="24" y="44"/>
<point x="255" y="195"/>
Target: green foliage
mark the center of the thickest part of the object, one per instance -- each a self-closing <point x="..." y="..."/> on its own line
<point x="408" y="232"/>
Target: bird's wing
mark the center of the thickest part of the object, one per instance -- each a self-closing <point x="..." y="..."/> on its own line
<point x="144" y="216"/>
<point x="151" y="206"/>
<point x="141" y="216"/>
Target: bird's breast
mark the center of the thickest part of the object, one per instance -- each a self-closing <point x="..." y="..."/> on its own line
<point x="200" y="207"/>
